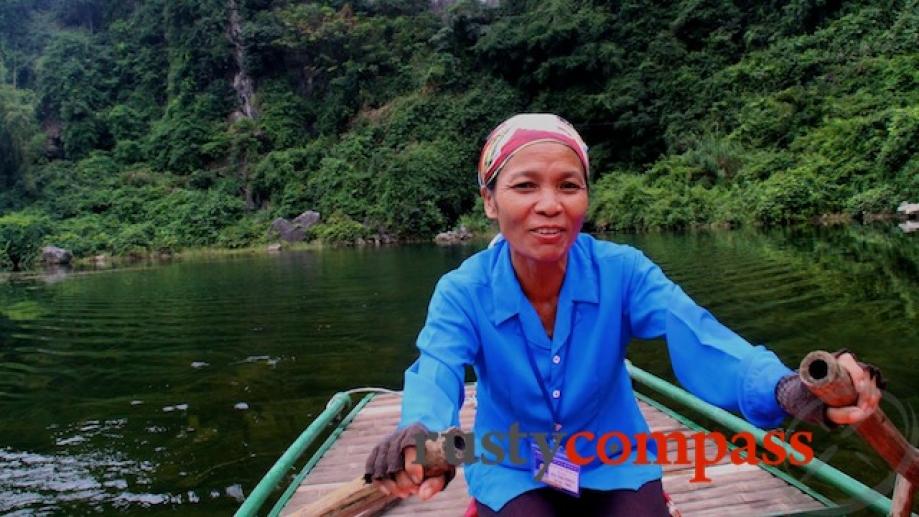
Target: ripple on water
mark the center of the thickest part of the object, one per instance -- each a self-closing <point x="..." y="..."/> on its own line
<point x="270" y="361"/>
<point x="31" y="482"/>
<point x="93" y="345"/>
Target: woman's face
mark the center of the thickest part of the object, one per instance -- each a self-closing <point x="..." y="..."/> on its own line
<point x="539" y="201"/>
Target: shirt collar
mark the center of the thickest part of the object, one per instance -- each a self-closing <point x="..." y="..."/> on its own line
<point x="580" y="283"/>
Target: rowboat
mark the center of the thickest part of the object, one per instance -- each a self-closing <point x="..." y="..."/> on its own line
<point x="349" y="430"/>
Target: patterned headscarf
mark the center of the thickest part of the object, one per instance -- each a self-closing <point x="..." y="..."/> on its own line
<point x="522" y="130"/>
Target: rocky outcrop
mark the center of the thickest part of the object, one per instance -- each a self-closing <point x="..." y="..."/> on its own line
<point x="307" y="219"/>
<point x="295" y="231"/>
<point x="52" y="255"/>
<point x="287" y="231"/>
<point x="908" y="209"/>
<point x="380" y="238"/>
<point x="242" y="81"/>
<point x="456" y="236"/>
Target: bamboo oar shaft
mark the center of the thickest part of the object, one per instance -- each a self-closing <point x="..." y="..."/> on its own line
<point x="902" y="500"/>
<point x="356" y="496"/>
<point x="352" y="498"/>
<point x="829" y="380"/>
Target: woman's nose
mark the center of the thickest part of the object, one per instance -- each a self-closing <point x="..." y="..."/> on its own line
<point x="548" y="203"/>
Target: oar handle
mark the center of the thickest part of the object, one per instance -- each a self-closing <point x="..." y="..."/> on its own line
<point x="826" y="378"/>
<point x="830" y="381"/>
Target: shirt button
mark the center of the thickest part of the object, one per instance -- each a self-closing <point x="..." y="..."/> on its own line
<point x="556" y="359"/>
<point x="558" y="427"/>
<point x="556" y="394"/>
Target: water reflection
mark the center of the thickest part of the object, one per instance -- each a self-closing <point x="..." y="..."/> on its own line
<point x="798" y="290"/>
<point x="176" y="387"/>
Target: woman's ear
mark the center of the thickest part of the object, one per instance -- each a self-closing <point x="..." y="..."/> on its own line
<point x="488" y="199"/>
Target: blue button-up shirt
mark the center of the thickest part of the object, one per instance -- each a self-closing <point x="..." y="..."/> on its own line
<point x="479" y="316"/>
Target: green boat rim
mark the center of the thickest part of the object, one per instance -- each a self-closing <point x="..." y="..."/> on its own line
<point x="250" y="507"/>
<point x="320" y="452"/>
<point x="341" y="401"/>
<point x="823" y="471"/>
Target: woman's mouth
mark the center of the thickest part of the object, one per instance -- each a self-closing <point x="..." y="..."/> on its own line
<point x="548" y="234"/>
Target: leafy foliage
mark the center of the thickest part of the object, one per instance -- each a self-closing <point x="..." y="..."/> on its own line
<point x="121" y="122"/>
<point x="21" y="235"/>
<point x="339" y="228"/>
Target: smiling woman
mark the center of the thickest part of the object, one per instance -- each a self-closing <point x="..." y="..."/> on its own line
<point x="541" y="199"/>
<point x="545" y="317"/>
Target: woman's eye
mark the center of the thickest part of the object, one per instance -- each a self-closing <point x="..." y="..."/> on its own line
<point x="525" y="185"/>
<point x="570" y="187"/>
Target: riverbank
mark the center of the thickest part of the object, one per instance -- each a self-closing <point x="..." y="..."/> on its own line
<point x="106" y="262"/>
<point x="141" y="258"/>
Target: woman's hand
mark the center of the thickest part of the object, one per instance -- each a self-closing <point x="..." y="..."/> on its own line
<point x="410" y="480"/>
<point x="869" y="394"/>
<point x="392" y="469"/>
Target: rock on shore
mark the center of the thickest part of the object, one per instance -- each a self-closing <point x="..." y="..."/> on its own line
<point x="457" y="236"/>
<point x="52" y="255"/>
<point x="295" y="231"/>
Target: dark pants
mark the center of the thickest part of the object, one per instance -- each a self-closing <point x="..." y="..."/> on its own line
<point x="647" y="501"/>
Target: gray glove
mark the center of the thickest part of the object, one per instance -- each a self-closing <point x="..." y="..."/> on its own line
<point x="800" y="403"/>
<point x="387" y="458"/>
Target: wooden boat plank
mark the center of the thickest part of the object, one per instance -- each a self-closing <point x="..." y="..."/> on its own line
<point x="735" y="489"/>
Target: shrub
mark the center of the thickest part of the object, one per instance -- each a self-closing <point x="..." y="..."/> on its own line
<point x="247" y="231"/>
<point x="902" y="142"/>
<point x="789" y="197"/>
<point x="339" y="228"/>
<point x="621" y="201"/>
<point x="133" y="239"/>
<point x="125" y="123"/>
<point x="280" y="177"/>
<point x="177" y="142"/>
<point x="283" y="115"/>
<point x="129" y="151"/>
<point x="194" y="218"/>
<point x="476" y="221"/>
<point x="84" y="235"/>
<point x="679" y="206"/>
<point x="875" y="200"/>
<point x="21" y="236"/>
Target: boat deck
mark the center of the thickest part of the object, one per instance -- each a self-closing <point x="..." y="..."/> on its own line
<point x="734" y="490"/>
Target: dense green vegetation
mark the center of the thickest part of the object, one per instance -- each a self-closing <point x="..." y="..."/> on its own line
<point x="123" y="130"/>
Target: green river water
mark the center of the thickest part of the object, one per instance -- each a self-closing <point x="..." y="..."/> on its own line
<point x="176" y="386"/>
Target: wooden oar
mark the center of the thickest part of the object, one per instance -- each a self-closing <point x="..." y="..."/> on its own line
<point x="357" y="497"/>
<point x="827" y="379"/>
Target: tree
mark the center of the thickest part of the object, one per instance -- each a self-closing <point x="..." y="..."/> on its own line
<point x="21" y="237"/>
<point x="18" y="132"/>
<point x="73" y="88"/>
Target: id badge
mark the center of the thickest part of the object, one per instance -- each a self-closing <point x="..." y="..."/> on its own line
<point x="561" y="473"/>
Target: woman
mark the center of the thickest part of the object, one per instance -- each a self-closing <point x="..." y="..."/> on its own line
<point x="544" y="317"/>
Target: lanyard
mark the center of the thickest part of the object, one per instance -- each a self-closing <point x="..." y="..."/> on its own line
<point x="556" y="421"/>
